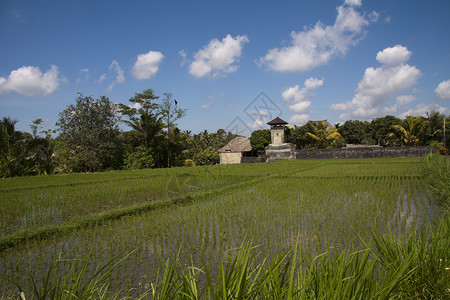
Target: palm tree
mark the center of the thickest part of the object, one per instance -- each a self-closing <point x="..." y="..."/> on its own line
<point x="412" y="129"/>
<point x="322" y="133"/>
<point x="11" y="147"/>
<point x="436" y="125"/>
<point x="143" y="116"/>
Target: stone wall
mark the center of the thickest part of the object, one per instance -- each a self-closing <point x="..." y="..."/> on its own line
<point x="275" y="152"/>
<point x="253" y="159"/>
<point x="362" y="152"/>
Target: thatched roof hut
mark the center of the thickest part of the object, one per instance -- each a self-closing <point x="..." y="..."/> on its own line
<point x="232" y="152"/>
<point x="238" y="144"/>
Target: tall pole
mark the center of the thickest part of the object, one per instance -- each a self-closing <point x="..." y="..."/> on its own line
<point x="445" y="117"/>
<point x="168" y="136"/>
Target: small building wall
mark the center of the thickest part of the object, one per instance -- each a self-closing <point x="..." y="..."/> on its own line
<point x="277" y="135"/>
<point x="229" y="158"/>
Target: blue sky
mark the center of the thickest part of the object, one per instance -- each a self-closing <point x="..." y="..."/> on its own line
<point x="231" y="64"/>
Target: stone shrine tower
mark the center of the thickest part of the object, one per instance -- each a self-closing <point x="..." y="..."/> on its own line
<point x="279" y="149"/>
<point x="277" y="128"/>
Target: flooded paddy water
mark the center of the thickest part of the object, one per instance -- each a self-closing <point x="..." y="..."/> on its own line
<point x="314" y="206"/>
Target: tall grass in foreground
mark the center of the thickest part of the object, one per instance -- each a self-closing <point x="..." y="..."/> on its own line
<point x="436" y="170"/>
<point x="415" y="268"/>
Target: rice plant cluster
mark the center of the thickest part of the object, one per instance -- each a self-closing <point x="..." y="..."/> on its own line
<point x="324" y="229"/>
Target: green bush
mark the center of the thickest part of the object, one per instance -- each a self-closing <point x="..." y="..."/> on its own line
<point x="141" y="158"/>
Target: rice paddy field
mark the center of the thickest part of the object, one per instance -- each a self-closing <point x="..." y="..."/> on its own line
<point x="203" y="217"/>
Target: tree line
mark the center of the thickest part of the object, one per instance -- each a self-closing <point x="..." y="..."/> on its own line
<point x="88" y="137"/>
<point x="384" y="131"/>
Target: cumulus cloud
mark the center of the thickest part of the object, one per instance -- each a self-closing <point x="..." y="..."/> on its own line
<point x="299" y="119"/>
<point x="301" y="99"/>
<point x="443" y="90"/>
<point x="380" y="84"/>
<point x="422" y="109"/>
<point x="316" y="46"/>
<point x="405" y="99"/>
<point x="393" y="56"/>
<point x="401" y="102"/>
<point x="30" y="81"/>
<point x="147" y="65"/>
<point x="218" y="58"/>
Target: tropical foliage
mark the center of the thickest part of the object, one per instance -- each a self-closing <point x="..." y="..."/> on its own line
<point x="382" y="133"/>
<point x="323" y="133"/>
<point x="11" y="148"/>
<point x="259" y="140"/>
<point x="90" y="130"/>
<point x="143" y="117"/>
<point x="90" y="137"/>
<point x="202" y="147"/>
<point x="354" y="131"/>
<point x="412" y="130"/>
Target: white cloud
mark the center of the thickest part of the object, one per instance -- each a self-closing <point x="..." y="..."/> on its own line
<point x="374" y="16"/>
<point x="380" y="84"/>
<point x="401" y="102"/>
<point x="393" y="56"/>
<point x="405" y="99"/>
<point x="295" y="94"/>
<point x="102" y="78"/>
<point x="422" y="109"/>
<point x="388" y="80"/>
<point x="299" y="119"/>
<point x="212" y="99"/>
<point x="316" y="46"/>
<point x="300" y="107"/>
<point x="114" y="67"/>
<point x="353" y="2"/>
<point x="218" y="57"/>
<point x="136" y="106"/>
<point x="30" y="81"/>
<point x="301" y="99"/>
<point x="443" y="90"/>
<point x="313" y="83"/>
<point x="183" y="55"/>
<point x="206" y="105"/>
<point x="258" y="123"/>
<point x="83" y="74"/>
<point x="147" y="65"/>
